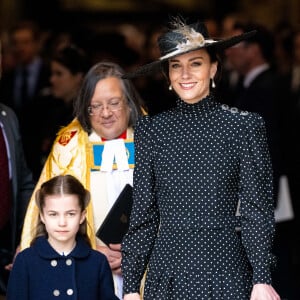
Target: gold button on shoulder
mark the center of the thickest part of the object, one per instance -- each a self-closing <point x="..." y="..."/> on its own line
<point x="234" y="110"/>
<point x="56" y="293"/>
<point x="53" y="263"/>
<point x="244" y="113"/>
<point x="70" y="292"/>
<point x="225" y="106"/>
<point x="68" y="262"/>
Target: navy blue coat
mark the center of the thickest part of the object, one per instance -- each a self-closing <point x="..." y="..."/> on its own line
<point x="40" y="273"/>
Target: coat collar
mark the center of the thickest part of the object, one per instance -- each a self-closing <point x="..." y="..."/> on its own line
<point x="45" y="250"/>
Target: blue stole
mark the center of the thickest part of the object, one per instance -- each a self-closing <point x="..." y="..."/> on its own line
<point x="97" y="149"/>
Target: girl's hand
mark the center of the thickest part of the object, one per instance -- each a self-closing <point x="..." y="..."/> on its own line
<point x="133" y="296"/>
<point x="262" y="291"/>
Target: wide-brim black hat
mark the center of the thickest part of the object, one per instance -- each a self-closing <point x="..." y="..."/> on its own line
<point x="183" y="38"/>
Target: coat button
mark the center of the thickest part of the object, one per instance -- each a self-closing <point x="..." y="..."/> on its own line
<point x="56" y="293"/>
<point x="234" y="110"/>
<point x="70" y="292"/>
<point x="53" y="263"/>
<point x="69" y="262"/>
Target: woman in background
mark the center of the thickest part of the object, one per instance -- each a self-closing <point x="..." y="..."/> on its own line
<point x="53" y="108"/>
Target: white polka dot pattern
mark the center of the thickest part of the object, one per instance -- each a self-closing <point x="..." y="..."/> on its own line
<point x="193" y="164"/>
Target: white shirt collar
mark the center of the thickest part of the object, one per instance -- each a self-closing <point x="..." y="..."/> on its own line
<point x="254" y="73"/>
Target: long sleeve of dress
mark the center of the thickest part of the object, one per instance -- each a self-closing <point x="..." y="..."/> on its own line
<point x="144" y="217"/>
<point x="257" y="207"/>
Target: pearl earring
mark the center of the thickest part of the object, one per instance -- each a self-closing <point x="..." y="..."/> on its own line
<point x="213" y="84"/>
<point x="170" y="87"/>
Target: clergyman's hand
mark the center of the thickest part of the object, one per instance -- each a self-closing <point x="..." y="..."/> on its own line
<point x="9" y="266"/>
<point x="113" y="255"/>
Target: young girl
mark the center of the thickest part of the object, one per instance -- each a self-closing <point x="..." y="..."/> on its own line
<point x="60" y="264"/>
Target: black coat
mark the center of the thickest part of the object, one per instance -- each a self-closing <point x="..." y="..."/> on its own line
<point x="7" y="87"/>
<point x="22" y="183"/>
<point x="262" y="97"/>
<point x="22" y="188"/>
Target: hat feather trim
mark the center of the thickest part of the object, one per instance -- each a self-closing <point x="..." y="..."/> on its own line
<point x="186" y="47"/>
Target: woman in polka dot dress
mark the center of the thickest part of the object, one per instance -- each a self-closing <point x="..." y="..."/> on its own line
<point x="195" y="165"/>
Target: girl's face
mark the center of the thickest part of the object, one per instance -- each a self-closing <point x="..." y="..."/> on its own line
<point x="109" y="110"/>
<point x="190" y="75"/>
<point x="62" y="217"/>
<point x="65" y="85"/>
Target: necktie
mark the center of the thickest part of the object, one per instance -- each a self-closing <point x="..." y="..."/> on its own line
<point x="24" y="87"/>
<point x="239" y="93"/>
<point x="5" y="201"/>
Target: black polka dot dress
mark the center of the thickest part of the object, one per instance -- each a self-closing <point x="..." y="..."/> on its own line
<point x="194" y="164"/>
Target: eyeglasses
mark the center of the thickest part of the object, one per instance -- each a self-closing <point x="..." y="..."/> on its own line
<point x="114" y="104"/>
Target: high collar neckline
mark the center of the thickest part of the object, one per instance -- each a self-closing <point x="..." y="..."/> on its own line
<point x="198" y="108"/>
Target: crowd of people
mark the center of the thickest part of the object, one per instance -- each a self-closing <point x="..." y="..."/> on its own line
<point x="83" y="107"/>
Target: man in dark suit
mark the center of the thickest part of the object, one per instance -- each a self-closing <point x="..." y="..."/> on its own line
<point x="20" y="85"/>
<point x="257" y="92"/>
<point x="30" y="75"/>
<point x="20" y="188"/>
<point x="261" y="92"/>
